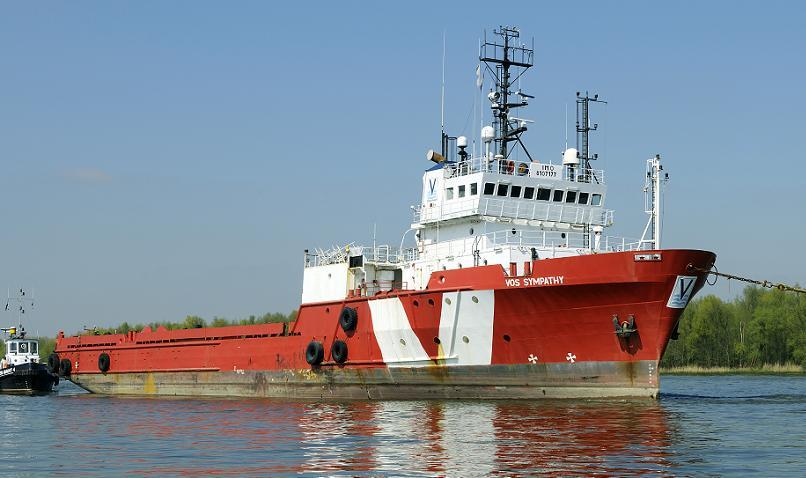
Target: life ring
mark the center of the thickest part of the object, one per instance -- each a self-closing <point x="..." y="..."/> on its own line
<point x="65" y="366"/>
<point x="510" y="167"/>
<point x="339" y="351"/>
<point x="348" y="319"/>
<point x="523" y="169"/>
<point x="53" y="362"/>
<point x="314" y="353"/>
<point x="103" y="362"/>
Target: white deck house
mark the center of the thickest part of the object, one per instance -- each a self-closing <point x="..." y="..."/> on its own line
<point x="490" y="209"/>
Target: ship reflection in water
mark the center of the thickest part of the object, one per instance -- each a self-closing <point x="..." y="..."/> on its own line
<point x="163" y="437"/>
<point x="463" y="439"/>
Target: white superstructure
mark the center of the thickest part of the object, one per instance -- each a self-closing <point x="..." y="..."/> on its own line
<point x="486" y="210"/>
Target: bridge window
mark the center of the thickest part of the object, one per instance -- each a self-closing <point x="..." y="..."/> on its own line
<point x="515" y="192"/>
<point x="503" y="189"/>
<point x="528" y="192"/>
<point x="489" y="189"/>
<point x="583" y="198"/>
<point x="23" y="347"/>
<point x="34" y="348"/>
<point x="596" y="200"/>
<point x="12" y="347"/>
<point x="558" y="195"/>
<point x="571" y="197"/>
<point x="543" y="194"/>
<point x="462" y="191"/>
<point x="474" y="189"/>
<point x="449" y="193"/>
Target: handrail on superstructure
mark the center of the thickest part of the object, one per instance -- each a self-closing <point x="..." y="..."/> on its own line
<point x="511" y="168"/>
<point x="516" y="209"/>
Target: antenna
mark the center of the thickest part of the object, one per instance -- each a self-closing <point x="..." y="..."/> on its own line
<point x="505" y="58"/>
<point x="583" y="132"/>
<point x="22" y="302"/>
<point x="566" y="126"/>
<point x="442" y="102"/>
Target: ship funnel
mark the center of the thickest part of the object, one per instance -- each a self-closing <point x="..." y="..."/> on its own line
<point x="570" y="157"/>
<point x="432" y="155"/>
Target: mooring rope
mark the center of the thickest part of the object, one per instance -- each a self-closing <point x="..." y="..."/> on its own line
<point x="762" y="283"/>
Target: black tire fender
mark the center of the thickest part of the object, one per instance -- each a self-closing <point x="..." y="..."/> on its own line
<point x="348" y="319"/>
<point x="314" y="353"/>
<point x="53" y="362"/>
<point x="65" y="366"/>
<point x="104" y="362"/>
<point x="339" y="351"/>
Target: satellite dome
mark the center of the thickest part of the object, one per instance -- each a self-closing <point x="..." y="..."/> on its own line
<point x="487" y="134"/>
<point x="461" y="141"/>
<point x="570" y="157"/>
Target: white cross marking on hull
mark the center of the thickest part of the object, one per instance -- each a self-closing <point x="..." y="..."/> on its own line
<point x="571" y="357"/>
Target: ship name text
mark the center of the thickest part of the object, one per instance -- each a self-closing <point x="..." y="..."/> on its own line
<point x="534" y="281"/>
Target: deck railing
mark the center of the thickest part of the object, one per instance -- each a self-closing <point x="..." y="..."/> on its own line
<point x="530" y="210"/>
<point x="523" y="168"/>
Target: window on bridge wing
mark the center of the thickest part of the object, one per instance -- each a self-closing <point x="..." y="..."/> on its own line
<point x="12" y="347"/>
<point x="449" y="193"/>
<point x="528" y="193"/>
<point x="34" y="348"/>
<point x="503" y="189"/>
<point x="23" y="347"/>
<point x="571" y="197"/>
<point x="489" y="189"/>
<point x="461" y="191"/>
<point x="474" y="189"/>
<point x="596" y="200"/>
<point x="543" y="194"/>
<point x="515" y="192"/>
<point x="558" y="195"/>
<point x="583" y="198"/>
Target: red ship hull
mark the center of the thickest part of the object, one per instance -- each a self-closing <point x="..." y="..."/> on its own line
<point x="473" y="333"/>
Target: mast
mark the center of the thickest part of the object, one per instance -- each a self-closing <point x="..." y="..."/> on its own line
<point x="20" y="304"/>
<point x="583" y="133"/>
<point x="655" y="179"/>
<point x="506" y="61"/>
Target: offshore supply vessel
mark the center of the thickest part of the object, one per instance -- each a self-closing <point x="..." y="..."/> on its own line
<point x="511" y="290"/>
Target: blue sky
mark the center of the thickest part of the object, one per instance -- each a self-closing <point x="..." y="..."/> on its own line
<point x="159" y="159"/>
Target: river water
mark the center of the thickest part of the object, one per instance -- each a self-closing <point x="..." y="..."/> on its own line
<point x="717" y="425"/>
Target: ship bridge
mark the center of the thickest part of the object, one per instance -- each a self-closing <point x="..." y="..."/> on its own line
<point x="538" y="194"/>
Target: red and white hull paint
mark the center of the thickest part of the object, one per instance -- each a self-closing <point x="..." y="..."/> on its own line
<point x="472" y="333"/>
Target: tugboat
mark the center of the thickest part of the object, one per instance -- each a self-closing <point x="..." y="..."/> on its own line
<point x="20" y="370"/>
<point x="512" y="289"/>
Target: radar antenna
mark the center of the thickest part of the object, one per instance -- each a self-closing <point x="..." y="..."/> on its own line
<point x="506" y="61"/>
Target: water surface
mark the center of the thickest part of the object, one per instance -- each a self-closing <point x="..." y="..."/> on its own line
<point x="721" y="425"/>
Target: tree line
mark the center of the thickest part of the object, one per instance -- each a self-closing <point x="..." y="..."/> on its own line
<point x="195" y="322"/>
<point x="758" y="327"/>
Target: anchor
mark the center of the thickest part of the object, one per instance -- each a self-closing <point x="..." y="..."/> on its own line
<point x="626" y="328"/>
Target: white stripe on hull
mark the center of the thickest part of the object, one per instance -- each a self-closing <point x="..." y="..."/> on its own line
<point x="466" y="327"/>
<point x="398" y="343"/>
